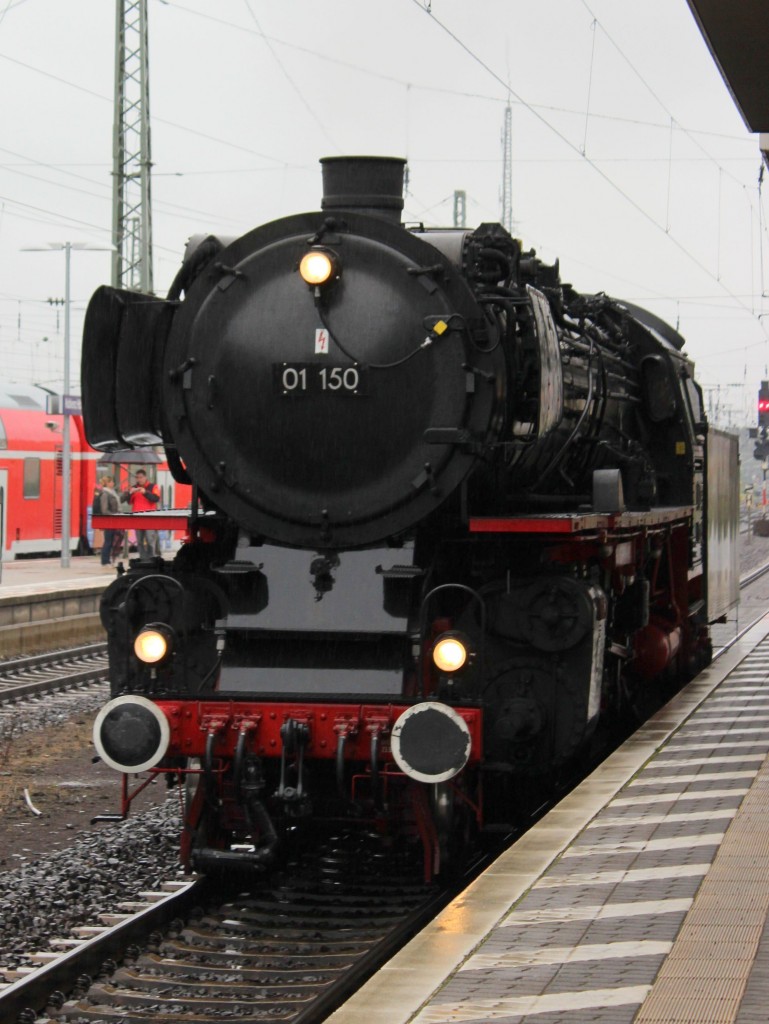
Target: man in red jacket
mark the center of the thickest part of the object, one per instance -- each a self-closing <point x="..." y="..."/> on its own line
<point x="143" y="497"/>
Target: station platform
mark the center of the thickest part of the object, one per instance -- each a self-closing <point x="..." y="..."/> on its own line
<point x="642" y="897"/>
<point x="45" y="607"/>
<point x="31" y="575"/>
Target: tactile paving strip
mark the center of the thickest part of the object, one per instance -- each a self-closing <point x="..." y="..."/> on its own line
<point x="712" y="958"/>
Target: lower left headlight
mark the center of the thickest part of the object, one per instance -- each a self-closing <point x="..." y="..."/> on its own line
<point x="131" y="734"/>
<point x="154" y="643"/>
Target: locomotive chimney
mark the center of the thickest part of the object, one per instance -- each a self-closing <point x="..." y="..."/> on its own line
<point x="365" y="184"/>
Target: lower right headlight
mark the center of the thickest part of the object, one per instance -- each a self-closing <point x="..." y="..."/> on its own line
<point x="450" y="652"/>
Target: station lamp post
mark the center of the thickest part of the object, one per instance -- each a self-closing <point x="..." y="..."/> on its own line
<point x="67" y="402"/>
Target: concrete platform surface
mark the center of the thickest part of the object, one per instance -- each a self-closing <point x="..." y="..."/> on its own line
<point x="642" y="898"/>
<point x="30" y="574"/>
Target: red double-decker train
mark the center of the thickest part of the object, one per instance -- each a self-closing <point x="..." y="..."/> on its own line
<point x="31" y="476"/>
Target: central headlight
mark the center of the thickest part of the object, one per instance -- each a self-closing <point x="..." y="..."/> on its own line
<point x="317" y="267"/>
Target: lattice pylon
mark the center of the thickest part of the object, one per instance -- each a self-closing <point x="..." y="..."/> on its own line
<point x="131" y="155"/>
<point x="507" y="171"/>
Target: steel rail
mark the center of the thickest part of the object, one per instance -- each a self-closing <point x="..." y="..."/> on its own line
<point x="363" y="945"/>
<point x="751" y="577"/>
<point x="28" y="997"/>
<point x="55" y="670"/>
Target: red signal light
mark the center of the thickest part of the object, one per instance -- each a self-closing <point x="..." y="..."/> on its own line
<point x="763" y="404"/>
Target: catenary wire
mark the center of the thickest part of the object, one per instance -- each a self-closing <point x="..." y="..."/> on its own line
<point x="591" y="163"/>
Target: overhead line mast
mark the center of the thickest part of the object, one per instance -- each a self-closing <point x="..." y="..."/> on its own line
<point x="507" y="171"/>
<point x="460" y="208"/>
<point x="131" y="157"/>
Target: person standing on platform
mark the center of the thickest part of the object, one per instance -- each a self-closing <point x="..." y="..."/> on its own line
<point x="144" y="496"/>
<point x="108" y="506"/>
<point x="96" y="501"/>
<point x="98" y="538"/>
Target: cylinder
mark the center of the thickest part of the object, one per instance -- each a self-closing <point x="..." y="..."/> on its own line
<point x="654" y="648"/>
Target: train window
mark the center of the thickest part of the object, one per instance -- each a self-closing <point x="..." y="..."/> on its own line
<point x="32" y="478"/>
<point x="3" y="435"/>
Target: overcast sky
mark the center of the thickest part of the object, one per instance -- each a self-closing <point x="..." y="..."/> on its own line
<point x="630" y="162"/>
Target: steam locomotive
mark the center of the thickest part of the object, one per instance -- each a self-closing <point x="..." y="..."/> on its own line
<point x="448" y="516"/>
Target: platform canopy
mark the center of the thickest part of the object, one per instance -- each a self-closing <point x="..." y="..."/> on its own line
<point x="737" y="33"/>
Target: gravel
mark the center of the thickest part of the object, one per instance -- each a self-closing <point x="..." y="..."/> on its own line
<point x="38" y="712"/>
<point x="44" y="896"/>
<point x="50" y="896"/>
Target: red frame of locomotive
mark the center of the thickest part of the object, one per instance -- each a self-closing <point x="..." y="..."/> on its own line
<point x="191" y="722"/>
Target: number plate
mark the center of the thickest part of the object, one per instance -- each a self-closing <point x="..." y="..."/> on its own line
<point x="292" y="379"/>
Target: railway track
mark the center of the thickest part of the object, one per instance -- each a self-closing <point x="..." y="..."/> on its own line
<point x="290" y="949"/>
<point x="751" y="577"/>
<point x="57" y="670"/>
<point x="725" y="635"/>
